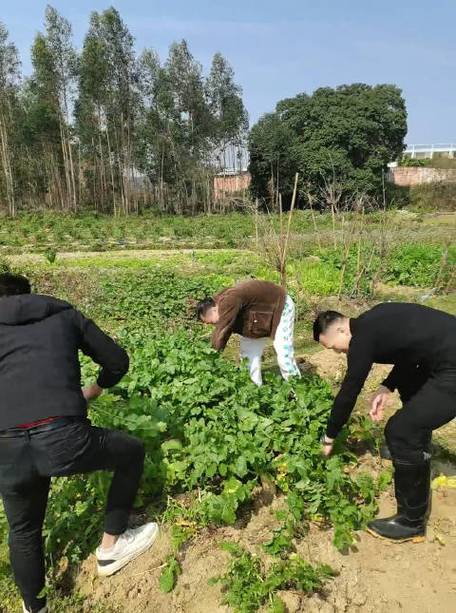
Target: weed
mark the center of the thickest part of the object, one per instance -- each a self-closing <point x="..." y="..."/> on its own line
<point x="247" y="585"/>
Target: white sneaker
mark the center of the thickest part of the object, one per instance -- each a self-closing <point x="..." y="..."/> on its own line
<point x="24" y="608"/>
<point x="131" y="544"/>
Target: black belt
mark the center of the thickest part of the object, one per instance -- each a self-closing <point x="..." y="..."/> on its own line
<point x="60" y="422"/>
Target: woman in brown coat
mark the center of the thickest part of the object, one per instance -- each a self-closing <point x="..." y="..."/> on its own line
<point x="256" y="310"/>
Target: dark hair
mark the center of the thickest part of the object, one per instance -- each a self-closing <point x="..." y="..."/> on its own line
<point x="323" y="321"/>
<point x="13" y="285"/>
<point x="203" y="306"/>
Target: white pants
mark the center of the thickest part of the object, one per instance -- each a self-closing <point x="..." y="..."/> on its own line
<point x="252" y="348"/>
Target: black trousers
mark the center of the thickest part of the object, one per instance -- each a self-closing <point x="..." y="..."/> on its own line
<point x="428" y="402"/>
<point x="29" y="459"/>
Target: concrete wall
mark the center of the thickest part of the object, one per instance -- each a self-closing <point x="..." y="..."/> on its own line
<point x="407" y="176"/>
<point x="230" y="184"/>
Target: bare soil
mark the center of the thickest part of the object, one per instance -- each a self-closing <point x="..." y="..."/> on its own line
<point x="377" y="576"/>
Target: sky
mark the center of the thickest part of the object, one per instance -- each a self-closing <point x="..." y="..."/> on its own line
<point x="281" y="48"/>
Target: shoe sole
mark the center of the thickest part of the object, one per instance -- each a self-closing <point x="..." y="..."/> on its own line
<point x="413" y="539"/>
<point x="107" y="571"/>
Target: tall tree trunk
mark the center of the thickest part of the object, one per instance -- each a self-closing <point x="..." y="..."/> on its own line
<point x="66" y="172"/>
<point x="111" y="168"/>
<point x="7" y="167"/>
<point x="72" y="176"/>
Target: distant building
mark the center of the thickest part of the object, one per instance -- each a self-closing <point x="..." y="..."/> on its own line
<point x="419" y="173"/>
<point x="231" y="182"/>
<point x="428" y="152"/>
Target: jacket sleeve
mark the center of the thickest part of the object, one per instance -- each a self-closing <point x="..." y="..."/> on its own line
<point x="103" y="350"/>
<point x="399" y="373"/>
<point x="229" y="308"/>
<point x="359" y="363"/>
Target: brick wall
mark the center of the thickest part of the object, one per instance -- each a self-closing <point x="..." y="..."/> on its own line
<point x="407" y="176"/>
<point x="230" y="184"/>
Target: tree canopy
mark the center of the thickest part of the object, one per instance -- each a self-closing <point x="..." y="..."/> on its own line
<point x="106" y="128"/>
<point x="347" y="134"/>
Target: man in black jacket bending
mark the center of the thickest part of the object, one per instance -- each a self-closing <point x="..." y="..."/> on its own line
<point x="421" y="343"/>
<point x="44" y="430"/>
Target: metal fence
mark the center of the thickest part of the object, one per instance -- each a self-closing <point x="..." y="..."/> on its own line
<point x="429" y="150"/>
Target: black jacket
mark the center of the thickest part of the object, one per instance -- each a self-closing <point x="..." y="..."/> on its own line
<point x="395" y="333"/>
<point x="40" y="374"/>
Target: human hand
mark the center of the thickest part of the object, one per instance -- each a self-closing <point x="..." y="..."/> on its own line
<point x="327" y="446"/>
<point x="91" y="392"/>
<point x="378" y="403"/>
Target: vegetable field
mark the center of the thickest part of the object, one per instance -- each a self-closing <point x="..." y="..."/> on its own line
<point x="253" y="517"/>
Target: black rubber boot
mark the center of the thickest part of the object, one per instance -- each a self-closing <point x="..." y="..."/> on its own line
<point x="412" y="489"/>
<point x="385" y="453"/>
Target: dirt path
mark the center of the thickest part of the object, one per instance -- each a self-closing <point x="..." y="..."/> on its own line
<point x="141" y="254"/>
<point x="378" y="577"/>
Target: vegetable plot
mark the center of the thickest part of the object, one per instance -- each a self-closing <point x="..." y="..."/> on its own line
<point x="207" y="427"/>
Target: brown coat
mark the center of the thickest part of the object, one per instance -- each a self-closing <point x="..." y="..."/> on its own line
<point x="252" y="309"/>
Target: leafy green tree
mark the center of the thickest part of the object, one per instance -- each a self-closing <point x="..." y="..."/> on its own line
<point x="229" y="116"/>
<point x="9" y="90"/>
<point x="192" y="125"/>
<point x="50" y="99"/>
<point x="187" y="87"/>
<point x="271" y="164"/>
<point x="186" y="123"/>
<point x="107" y="108"/>
<point x="348" y="134"/>
<point x="108" y="129"/>
<point x="160" y="141"/>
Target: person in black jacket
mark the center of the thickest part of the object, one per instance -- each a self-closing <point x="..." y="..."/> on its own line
<point x="421" y="344"/>
<point x="44" y="430"/>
